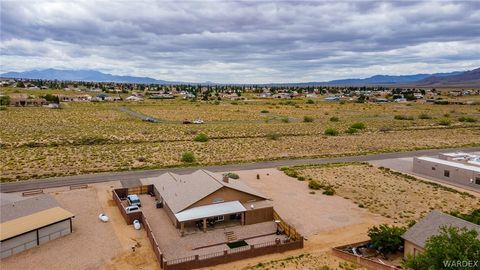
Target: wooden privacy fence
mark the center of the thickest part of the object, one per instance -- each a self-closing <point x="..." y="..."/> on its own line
<point x="363" y="261"/>
<point x="287" y="229"/>
<point x="231" y="255"/>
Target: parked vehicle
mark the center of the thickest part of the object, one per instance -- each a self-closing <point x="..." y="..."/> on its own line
<point x="198" y="121"/>
<point x="131" y="209"/>
<point x="133" y="199"/>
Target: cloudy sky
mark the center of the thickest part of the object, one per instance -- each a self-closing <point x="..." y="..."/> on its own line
<point x="241" y="41"/>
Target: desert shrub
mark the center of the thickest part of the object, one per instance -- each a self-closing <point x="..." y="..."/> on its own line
<point x="310" y="101"/>
<point x="351" y="130"/>
<point x="424" y="116"/>
<point x="290" y="172"/>
<point x="334" y="119"/>
<point x="329" y="190"/>
<point x="232" y="175"/>
<point x="264" y="111"/>
<point x="202" y="137"/>
<point x="301" y="178"/>
<point x="308" y="119"/>
<point x="274" y="136"/>
<point x="141" y="159"/>
<point x="446" y="115"/>
<point x="188" y="157"/>
<point x="285" y="120"/>
<point x="313" y="184"/>
<point x="358" y="125"/>
<point x="403" y="117"/>
<point x="331" y="132"/>
<point x="444" y="122"/>
<point x="467" y="119"/>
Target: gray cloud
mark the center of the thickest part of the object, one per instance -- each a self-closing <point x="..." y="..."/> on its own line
<point x="239" y="41"/>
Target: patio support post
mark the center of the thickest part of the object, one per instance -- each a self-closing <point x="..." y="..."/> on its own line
<point x="204" y="225"/>
<point x="182" y="228"/>
<point x="243" y="218"/>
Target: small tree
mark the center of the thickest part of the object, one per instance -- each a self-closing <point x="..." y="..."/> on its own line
<point x="358" y="125"/>
<point x="385" y="238"/>
<point x="188" y="157"/>
<point x="452" y="245"/>
<point x="4" y="100"/>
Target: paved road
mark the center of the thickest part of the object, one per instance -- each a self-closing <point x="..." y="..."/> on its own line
<point x="135" y="175"/>
<point x="138" y="115"/>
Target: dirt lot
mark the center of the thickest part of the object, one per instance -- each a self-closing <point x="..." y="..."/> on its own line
<point x="93" y="244"/>
<point x="392" y="195"/>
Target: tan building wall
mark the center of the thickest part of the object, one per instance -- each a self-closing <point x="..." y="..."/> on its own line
<point x="227" y="195"/>
<point x="258" y="215"/>
<point x="411" y="249"/>
<point x="456" y="175"/>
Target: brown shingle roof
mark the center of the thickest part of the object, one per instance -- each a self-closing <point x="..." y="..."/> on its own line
<point x="431" y="225"/>
<point x="181" y="191"/>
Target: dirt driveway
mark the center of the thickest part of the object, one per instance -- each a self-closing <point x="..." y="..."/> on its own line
<point x="310" y="213"/>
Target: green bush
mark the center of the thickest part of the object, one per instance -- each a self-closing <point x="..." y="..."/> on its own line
<point x="403" y="117"/>
<point x="285" y="120"/>
<point x="308" y="119"/>
<point x="424" y="116"/>
<point x="291" y="173"/>
<point x="264" y="111"/>
<point x="331" y="132"/>
<point x="467" y="119"/>
<point x="444" y="122"/>
<point x="301" y="178"/>
<point x="188" y="157"/>
<point x="310" y="101"/>
<point x="274" y="136"/>
<point x="312" y="184"/>
<point x="202" y="137"/>
<point x="334" y="119"/>
<point x="351" y="130"/>
<point x="329" y="191"/>
<point x="358" y="125"/>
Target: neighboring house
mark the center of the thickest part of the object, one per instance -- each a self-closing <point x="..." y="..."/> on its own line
<point x="204" y="195"/>
<point x="24" y="100"/>
<point x="457" y="170"/>
<point x="27" y="222"/>
<point x="333" y="98"/>
<point x="416" y="237"/>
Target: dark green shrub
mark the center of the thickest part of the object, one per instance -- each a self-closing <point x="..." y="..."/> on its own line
<point x="424" y="116"/>
<point x="334" y="119"/>
<point x="358" y="125"/>
<point x="351" y="130"/>
<point x="331" y="132"/>
<point x="308" y="119"/>
<point x="312" y="184"/>
<point x="202" y="137"/>
<point x="188" y="157"/>
<point x="264" y="111"/>
<point x="329" y="191"/>
<point x="310" y="101"/>
<point x="232" y="175"/>
<point x="444" y="122"/>
<point x="301" y="178"/>
<point x="467" y="119"/>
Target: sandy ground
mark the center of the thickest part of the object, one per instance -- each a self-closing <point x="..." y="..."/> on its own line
<point x="93" y="244"/>
<point x="309" y="213"/>
<point x="391" y="195"/>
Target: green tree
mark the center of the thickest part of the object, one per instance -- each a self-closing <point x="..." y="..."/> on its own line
<point x="4" y="100"/>
<point x="445" y="250"/>
<point x="385" y="238"/>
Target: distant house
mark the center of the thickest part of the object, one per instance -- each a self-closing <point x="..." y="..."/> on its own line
<point x="134" y="98"/>
<point x="416" y="237"/>
<point x="25" y="100"/>
<point x="204" y="195"/>
<point x="27" y="222"/>
<point x="333" y="98"/>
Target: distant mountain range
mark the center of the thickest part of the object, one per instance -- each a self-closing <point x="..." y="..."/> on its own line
<point x="80" y="75"/>
<point x="452" y="78"/>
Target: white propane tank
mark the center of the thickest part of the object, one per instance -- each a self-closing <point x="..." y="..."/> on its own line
<point x="136" y="224"/>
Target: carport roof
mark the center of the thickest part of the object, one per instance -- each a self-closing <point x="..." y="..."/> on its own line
<point x="211" y="210"/>
<point x="32" y="222"/>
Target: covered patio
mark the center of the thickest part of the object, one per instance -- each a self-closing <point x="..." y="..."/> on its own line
<point x="202" y="217"/>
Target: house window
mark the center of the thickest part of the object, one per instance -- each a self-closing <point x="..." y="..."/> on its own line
<point x="477" y="180"/>
<point x="446" y="173"/>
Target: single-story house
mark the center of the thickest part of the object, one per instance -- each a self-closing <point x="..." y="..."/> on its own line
<point x="23" y="100"/>
<point x="416" y="237"/>
<point x="203" y="195"/>
<point x="27" y="222"/>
